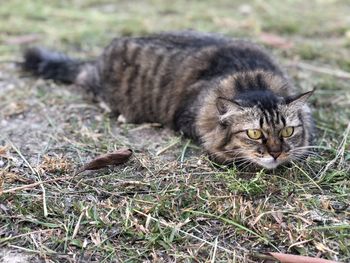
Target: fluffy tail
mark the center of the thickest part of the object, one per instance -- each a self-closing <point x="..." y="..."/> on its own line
<point x="51" y="65"/>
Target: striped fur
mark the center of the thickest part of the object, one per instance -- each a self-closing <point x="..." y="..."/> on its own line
<point x="210" y="88"/>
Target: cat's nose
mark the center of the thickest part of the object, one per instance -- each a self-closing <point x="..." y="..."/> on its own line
<point x="275" y="154"/>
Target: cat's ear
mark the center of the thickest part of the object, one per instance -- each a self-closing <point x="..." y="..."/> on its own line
<point x="225" y="105"/>
<point x="299" y="100"/>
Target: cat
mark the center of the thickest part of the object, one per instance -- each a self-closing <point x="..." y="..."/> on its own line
<point x="227" y="94"/>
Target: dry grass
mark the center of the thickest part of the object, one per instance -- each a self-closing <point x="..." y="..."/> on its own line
<point x="169" y="203"/>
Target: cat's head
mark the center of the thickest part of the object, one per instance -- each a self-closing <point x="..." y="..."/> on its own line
<point x="257" y="126"/>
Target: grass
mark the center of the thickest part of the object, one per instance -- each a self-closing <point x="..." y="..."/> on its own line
<point x="169" y="202"/>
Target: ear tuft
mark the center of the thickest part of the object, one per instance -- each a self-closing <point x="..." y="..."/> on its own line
<point x="225" y="105"/>
<point x="221" y="105"/>
<point x="299" y="100"/>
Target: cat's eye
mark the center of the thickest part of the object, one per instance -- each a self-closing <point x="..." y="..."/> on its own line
<point x="254" y="134"/>
<point x="287" y="131"/>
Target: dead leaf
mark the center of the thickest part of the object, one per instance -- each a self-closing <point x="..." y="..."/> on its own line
<point x="4" y="154"/>
<point x="299" y="243"/>
<point x="53" y="164"/>
<point x="9" y="177"/>
<point x="140" y="227"/>
<point x="323" y="248"/>
<point x="14" y="108"/>
<point x="114" y="158"/>
<point x="3" y="150"/>
<point x="95" y="238"/>
<point x="288" y="258"/>
<point x="275" y="41"/>
<point x="86" y="132"/>
<point x="278" y="216"/>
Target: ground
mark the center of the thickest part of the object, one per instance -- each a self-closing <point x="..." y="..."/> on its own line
<point x="169" y="202"/>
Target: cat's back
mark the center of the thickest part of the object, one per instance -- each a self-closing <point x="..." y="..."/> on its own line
<point x="221" y="54"/>
<point x="149" y="78"/>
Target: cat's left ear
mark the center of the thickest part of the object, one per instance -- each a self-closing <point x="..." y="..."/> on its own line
<point x="299" y="100"/>
<point x="225" y="105"/>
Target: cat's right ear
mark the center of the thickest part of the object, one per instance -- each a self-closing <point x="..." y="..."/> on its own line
<point x="299" y="100"/>
<point x="225" y="105"/>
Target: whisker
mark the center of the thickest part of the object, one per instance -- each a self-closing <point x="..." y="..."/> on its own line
<point x="306" y="154"/>
<point x="229" y="151"/>
<point x="249" y="163"/>
<point x="314" y="147"/>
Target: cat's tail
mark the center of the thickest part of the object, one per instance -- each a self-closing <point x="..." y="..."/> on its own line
<point x="59" y="67"/>
<point x="51" y="65"/>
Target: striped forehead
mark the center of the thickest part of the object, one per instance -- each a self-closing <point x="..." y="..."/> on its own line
<point x="271" y="118"/>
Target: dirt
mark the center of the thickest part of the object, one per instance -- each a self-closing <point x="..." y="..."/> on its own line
<point x="45" y="113"/>
<point x="14" y="256"/>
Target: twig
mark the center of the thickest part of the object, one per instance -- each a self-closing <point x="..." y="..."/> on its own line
<point x="12" y="190"/>
<point x="47" y="251"/>
<point x="333" y="72"/>
<point x="307" y="175"/>
<point x="23" y="158"/>
<point x="24" y="234"/>
<point x="184" y="232"/>
<point x="168" y="147"/>
<point x="76" y="228"/>
<point x="340" y="152"/>
<point x="184" y="152"/>
<point x="25" y="249"/>
<point x="143" y="164"/>
<point x="44" y="197"/>
<point x="299" y="243"/>
<point x="146" y="126"/>
<point x="231" y="222"/>
<point x="34" y="173"/>
<point x="214" y="252"/>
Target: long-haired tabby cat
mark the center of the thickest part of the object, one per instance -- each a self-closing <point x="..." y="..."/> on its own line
<point x="227" y="94"/>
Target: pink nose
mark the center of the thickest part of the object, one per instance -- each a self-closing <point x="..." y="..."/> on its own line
<point x="275" y="154"/>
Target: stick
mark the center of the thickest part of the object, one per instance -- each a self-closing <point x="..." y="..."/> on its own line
<point x="15" y="189"/>
<point x="76" y="228"/>
<point x="167" y="147"/>
<point x="25" y="234"/>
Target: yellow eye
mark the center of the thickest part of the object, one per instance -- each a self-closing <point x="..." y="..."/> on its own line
<point x="287" y="132"/>
<point x="254" y="134"/>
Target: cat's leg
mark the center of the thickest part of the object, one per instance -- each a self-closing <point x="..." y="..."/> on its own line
<point x="184" y="122"/>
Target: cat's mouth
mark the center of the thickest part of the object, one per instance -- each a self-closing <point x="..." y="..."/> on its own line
<point x="269" y="162"/>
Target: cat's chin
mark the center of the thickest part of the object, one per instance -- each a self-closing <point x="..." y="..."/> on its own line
<point x="268" y="162"/>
